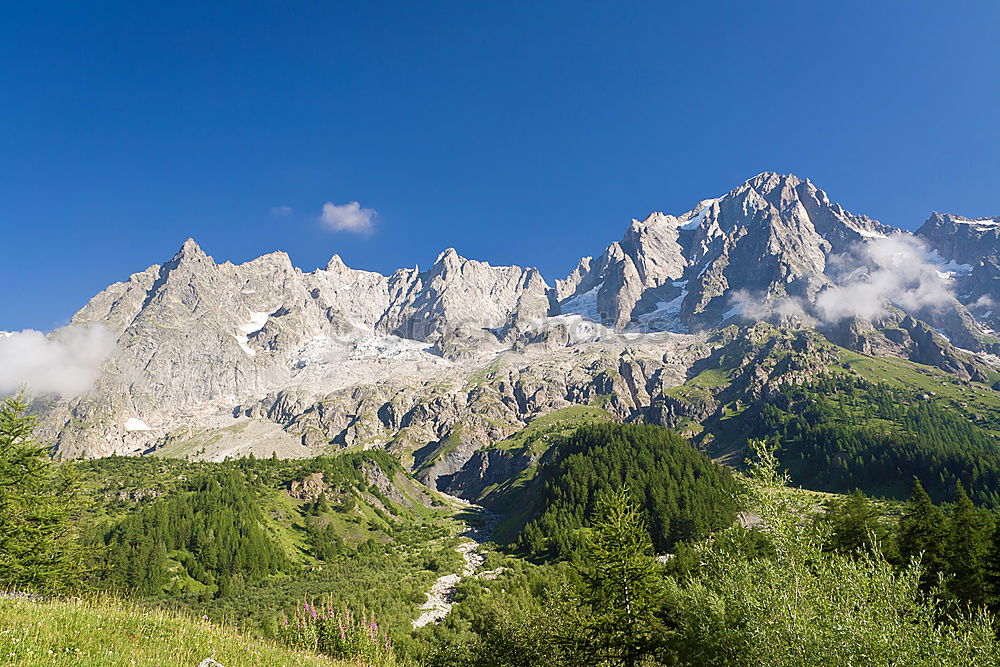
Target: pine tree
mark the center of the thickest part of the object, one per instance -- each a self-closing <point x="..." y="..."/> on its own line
<point x="624" y="586"/>
<point x="854" y="522"/>
<point x="967" y="549"/>
<point x="921" y="534"/>
<point x="39" y="508"/>
<point x="993" y="567"/>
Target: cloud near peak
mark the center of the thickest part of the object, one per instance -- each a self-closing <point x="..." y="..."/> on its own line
<point x="66" y="362"/>
<point x="349" y="217"/>
<point x="898" y="270"/>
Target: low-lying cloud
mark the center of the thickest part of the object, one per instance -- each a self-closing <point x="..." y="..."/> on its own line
<point x="894" y="269"/>
<point x="760" y="307"/>
<point x="349" y="217"/>
<point x="984" y="301"/>
<point x="66" y="362"/>
<point x="897" y="269"/>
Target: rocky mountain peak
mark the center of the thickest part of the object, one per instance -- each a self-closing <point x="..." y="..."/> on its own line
<point x="965" y="240"/>
<point x="336" y="264"/>
<point x="767" y="182"/>
<point x="969" y="249"/>
<point x="189" y="250"/>
<point x="195" y="336"/>
<point x="774" y="238"/>
<point x="448" y="259"/>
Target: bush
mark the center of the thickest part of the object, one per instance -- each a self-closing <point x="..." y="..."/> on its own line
<point x="806" y="606"/>
<point x="337" y="634"/>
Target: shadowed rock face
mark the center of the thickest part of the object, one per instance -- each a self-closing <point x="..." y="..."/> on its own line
<point x="435" y="364"/>
<point x="973" y="244"/>
<point x="773" y="235"/>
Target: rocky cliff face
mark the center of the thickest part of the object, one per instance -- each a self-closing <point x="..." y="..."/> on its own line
<point x="778" y="248"/>
<point x="971" y="249"/>
<point x="436" y="364"/>
<point x="772" y="236"/>
<point x="196" y="338"/>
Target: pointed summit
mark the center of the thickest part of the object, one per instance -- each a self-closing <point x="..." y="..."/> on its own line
<point x="770" y="179"/>
<point x="448" y="259"/>
<point x="335" y="263"/>
<point x="189" y="250"/>
<point x="191" y="246"/>
<point x="189" y="253"/>
<point x="447" y="255"/>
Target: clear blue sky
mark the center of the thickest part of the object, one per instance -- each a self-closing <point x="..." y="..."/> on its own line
<point x="527" y="132"/>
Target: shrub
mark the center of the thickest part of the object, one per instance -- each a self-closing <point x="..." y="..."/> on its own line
<point x="337" y="634"/>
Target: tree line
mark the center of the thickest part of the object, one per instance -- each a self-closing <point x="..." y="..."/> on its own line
<point x="840" y="433"/>
<point x="682" y="494"/>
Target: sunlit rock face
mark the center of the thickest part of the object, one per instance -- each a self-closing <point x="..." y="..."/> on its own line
<point x="213" y="360"/>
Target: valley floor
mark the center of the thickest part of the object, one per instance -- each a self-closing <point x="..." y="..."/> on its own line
<point x="439" y="597"/>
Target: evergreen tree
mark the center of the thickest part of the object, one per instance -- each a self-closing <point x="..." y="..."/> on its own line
<point x="682" y="494"/>
<point x="216" y="528"/>
<point x="921" y="534"/>
<point x="39" y="509"/>
<point x="967" y="548"/>
<point x="993" y="567"/>
<point x="624" y="584"/>
<point x="854" y="523"/>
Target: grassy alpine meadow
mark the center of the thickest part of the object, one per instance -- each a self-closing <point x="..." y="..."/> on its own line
<point x="104" y="632"/>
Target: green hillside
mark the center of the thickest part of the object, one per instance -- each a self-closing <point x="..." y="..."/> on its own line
<point x="243" y="540"/>
<point x="844" y="420"/>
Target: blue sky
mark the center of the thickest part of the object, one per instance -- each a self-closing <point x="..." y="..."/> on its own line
<point x="522" y="133"/>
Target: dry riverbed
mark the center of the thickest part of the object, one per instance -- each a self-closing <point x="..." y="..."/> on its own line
<point x="442" y="592"/>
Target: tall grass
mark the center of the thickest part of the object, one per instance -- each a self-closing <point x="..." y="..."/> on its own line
<point x="104" y="632"/>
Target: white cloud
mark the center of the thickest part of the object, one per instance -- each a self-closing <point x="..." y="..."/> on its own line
<point x="349" y="217"/>
<point x="66" y="362"/>
<point x="757" y="306"/>
<point x="896" y="269"/>
<point x="985" y="301"/>
<point x="281" y="211"/>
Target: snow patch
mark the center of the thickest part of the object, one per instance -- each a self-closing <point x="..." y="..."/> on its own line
<point x="258" y="320"/>
<point x="375" y="347"/>
<point x="388" y="346"/>
<point x="136" y="424"/>
<point x="243" y="342"/>
<point x="948" y="268"/>
<point x="579" y="329"/>
<point x="584" y="305"/>
<point x="698" y="214"/>
<point x="733" y="312"/>
<point x="256" y="323"/>
<point x="979" y="222"/>
<point x="666" y="315"/>
<point x="868" y="234"/>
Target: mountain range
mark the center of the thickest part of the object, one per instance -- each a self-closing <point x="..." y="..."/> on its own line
<point x="213" y="360"/>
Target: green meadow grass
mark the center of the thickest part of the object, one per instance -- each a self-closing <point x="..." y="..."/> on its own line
<point x="103" y="632"/>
